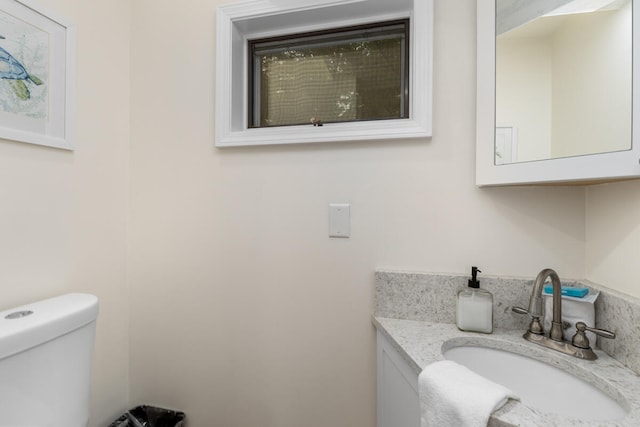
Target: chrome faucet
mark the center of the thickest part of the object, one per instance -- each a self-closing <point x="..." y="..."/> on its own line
<point x="535" y="304"/>
<point x="579" y="345"/>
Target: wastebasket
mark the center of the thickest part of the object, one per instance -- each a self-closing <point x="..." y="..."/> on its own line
<point x="150" y="416"/>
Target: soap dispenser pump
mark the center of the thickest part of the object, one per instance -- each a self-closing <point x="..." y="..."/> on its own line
<point x="474" y="311"/>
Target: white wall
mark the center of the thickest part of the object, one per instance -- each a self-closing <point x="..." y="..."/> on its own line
<point x="613" y="235"/>
<point x="244" y="312"/>
<point x="63" y="213"/>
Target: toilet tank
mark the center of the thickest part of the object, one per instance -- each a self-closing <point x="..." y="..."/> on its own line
<point x="45" y="362"/>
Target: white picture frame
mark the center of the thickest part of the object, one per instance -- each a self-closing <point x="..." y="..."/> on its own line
<point x="37" y="75"/>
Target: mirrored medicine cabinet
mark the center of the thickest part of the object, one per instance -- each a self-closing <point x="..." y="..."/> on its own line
<point x="556" y="99"/>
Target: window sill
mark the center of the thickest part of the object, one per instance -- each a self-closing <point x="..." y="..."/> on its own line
<point x="332" y="132"/>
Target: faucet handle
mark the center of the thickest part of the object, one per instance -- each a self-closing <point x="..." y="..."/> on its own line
<point x="580" y="339"/>
<point x="536" y="326"/>
<point x="519" y="310"/>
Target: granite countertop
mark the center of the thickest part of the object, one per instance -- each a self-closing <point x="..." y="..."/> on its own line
<point x="421" y="343"/>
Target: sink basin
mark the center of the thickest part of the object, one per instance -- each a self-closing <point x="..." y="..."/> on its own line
<point x="539" y="385"/>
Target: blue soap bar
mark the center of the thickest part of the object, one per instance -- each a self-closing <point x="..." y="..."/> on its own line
<point x="568" y="291"/>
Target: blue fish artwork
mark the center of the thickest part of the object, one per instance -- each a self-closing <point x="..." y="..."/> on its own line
<point x="16" y="74"/>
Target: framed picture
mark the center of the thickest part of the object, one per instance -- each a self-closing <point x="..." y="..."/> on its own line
<point x="37" y="75"/>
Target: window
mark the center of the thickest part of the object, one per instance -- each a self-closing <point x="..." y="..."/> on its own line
<point x="340" y="75"/>
<point x="251" y="108"/>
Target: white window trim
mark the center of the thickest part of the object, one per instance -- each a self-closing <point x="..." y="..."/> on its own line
<point x="236" y="23"/>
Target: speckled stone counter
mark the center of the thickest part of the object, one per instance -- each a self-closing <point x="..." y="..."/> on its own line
<point x="416" y="312"/>
<point x="421" y="343"/>
<point x="431" y="297"/>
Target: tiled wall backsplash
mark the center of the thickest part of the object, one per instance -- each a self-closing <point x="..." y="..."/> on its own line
<point x="431" y="297"/>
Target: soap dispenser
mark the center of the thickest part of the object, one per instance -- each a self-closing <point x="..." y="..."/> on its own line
<point x="475" y="307"/>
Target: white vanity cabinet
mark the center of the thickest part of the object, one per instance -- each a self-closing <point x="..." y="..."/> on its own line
<point x="398" y="402"/>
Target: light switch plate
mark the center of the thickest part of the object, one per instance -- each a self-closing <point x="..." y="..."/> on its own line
<point x="339" y="220"/>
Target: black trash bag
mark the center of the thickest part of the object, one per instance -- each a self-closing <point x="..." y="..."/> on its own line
<point x="149" y="416"/>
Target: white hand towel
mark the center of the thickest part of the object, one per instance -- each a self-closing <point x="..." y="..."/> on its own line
<point x="453" y="395"/>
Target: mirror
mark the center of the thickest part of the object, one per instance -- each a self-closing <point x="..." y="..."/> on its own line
<point x="555" y="94"/>
<point x="563" y="78"/>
